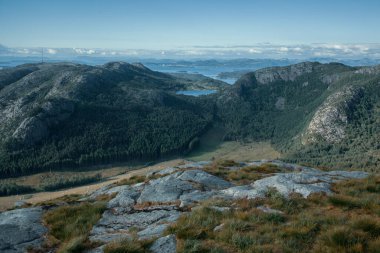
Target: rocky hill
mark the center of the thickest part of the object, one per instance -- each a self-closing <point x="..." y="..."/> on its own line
<point x="62" y="115"/>
<point x="322" y="114"/>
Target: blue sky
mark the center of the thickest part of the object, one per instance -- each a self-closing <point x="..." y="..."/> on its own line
<point x="164" y="24"/>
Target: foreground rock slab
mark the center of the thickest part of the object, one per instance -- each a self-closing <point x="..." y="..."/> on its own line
<point x="152" y="206"/>
<point x="145" y="210"/>
<point x="304" y="183"/>
<point x="21" y="229"/>
<point x="165" y="244"/>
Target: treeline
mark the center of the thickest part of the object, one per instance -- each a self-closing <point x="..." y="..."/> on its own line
<point x="55" y="182"/>
<point x="7" y="188"/>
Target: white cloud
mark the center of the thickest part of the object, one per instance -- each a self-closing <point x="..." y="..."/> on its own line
<point x="254" y="51"/>
<point x="23" y="51"/>
<point x="51" y="51"/>
<point x="84" y="51"/>
<point x="262" y="50"/>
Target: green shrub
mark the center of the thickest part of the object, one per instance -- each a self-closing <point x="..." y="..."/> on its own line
<point x="55" y="183"/>
<point x="7" y="188"/>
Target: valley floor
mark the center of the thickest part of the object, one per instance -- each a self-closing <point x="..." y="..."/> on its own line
<point x="233" y="150"/>
<point x="210" y="147"/>
<point x="34" y="198"/>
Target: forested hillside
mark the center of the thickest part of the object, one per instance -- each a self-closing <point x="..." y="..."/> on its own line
<point x="320" y="114"/>
<point x="55" y="116"/>
<point x="64" y="115"/>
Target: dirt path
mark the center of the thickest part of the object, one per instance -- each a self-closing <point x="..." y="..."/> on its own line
<point x="8" y="202"/>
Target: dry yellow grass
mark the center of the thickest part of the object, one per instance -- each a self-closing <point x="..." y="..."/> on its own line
<point x="316" y="224"/>
<point x="242" y="176"/>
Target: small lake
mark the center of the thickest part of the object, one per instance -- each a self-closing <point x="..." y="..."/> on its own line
<point x="195" y="93"/>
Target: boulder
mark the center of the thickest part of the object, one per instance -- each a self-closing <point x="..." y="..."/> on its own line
<point x="124" y="200"/>
<point x="21" y="229"/>
<point x="167" y="244"/>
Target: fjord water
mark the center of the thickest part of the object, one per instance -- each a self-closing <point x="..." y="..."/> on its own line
<point x="195" y="93"/>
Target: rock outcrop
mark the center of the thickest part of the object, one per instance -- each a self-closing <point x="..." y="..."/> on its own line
<point x="330" y="120"/>
<point x="21" y="229"/>
<point x="165" y="244"/>
<point x="304" y="183"/>
<point x="34" y="129"/>
<point x="151" y="207"/>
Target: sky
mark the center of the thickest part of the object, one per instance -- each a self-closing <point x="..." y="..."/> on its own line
<point x="195" y="24"/>
<point x="160" y="24"/>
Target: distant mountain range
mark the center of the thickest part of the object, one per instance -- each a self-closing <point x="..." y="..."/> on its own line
<point x="65" y="115"/>
<point x="251" y="55"/>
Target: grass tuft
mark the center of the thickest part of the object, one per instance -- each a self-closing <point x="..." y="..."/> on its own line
<point x="69" y="226"/>
<point x="128" y="246"/>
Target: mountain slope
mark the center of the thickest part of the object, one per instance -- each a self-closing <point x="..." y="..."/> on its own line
<point x="68" y="115"/>
<point x="314" y="113"/>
